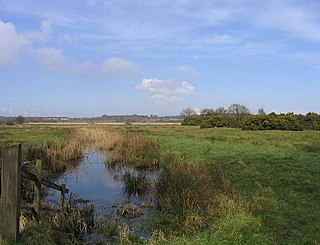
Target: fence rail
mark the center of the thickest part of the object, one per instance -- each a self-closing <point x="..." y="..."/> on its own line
<point x="10" y="192"/>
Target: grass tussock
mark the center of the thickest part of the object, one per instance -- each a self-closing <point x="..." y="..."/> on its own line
<point x="58" y="227"/>
<point x="189" y="193"/>
<point x="136" y="184"/>
<point x="117" y="233"/>
<point x="197" y="202"/>
<point x="74" y="219"/>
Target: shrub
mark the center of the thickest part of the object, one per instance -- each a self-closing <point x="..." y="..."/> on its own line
<point x="273" y="121"/>
<point x="217" y="121"/>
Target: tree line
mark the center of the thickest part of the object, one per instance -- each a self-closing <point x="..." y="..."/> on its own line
<point x="238" y="116"/>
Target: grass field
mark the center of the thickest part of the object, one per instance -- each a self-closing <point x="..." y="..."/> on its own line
<point x="276" y="172"/>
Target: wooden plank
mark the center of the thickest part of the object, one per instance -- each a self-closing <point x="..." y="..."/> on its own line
<point x="45" y="182"/>
<point x="10" y="193"/>
<point x="37" y="189"/>
<point x="53" y="185"/>
<point x="27" y="175"/>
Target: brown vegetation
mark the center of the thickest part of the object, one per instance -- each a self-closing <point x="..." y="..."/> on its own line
<point x="121" y="147"/>
<point x="191" y="195"/>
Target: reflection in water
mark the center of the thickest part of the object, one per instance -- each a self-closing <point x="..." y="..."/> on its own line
<point x="109" y="187"/>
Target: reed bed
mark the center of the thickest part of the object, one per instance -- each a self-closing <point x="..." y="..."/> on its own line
<point x="121" y="148"/>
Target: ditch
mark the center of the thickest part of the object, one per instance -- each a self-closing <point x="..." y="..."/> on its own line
<point x="122" y="193"/>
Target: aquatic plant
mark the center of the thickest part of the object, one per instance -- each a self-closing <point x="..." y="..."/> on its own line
<point x="136" y="183"/>
<point x="74" y="219"/>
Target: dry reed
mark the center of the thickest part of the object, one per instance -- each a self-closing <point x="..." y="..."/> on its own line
<point x="121" y="147"/>
<point x="190" y="194"/>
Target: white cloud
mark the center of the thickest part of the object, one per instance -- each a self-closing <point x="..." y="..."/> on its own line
<point x="83" y="70"/>
<point x="13" y="46"/>
<point x="51" y="59"/>
<point x="40" y="36"/>
<point x="164" y="91"/>
<point x="186" y="88"/>
<point x="117" y="66"/>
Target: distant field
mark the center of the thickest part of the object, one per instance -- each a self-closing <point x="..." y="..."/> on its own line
<point x="106" y="123"/>
<point x="276" y="171"/>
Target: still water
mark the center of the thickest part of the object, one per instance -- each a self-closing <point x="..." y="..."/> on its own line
<point x="105" y="187"/>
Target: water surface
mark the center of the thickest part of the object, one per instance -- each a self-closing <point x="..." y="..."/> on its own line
<point x="103" y="185"/>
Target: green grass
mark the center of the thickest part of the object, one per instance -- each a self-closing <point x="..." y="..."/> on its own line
<point x="33" y="134"/>
<point x="277" y="172"/>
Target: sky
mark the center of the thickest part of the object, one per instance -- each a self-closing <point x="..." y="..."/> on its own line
<point x="83" y="58"/>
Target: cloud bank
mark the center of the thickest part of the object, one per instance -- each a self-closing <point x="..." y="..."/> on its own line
<point x="165" y="91"/>
<point x="12" y="44"/>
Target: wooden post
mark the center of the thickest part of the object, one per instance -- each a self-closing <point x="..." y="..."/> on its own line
<point x="10" y="203"/>
<point x="37" y="189"/>
<point x="63" y="191"/>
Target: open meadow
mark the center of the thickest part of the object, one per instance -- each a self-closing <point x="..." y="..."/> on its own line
<point x="233" y="186"/>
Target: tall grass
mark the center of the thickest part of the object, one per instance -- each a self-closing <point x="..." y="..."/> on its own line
<point x="190" y="194"/>
<point x="59" y="227"/>
<point x="136" y="184"/>
<point x="121" y="148"/>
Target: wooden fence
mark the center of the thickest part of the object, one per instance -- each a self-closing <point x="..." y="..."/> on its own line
<point x="10" y="192"/>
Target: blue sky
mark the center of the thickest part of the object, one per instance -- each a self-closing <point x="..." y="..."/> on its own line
<point x="93" y="57"/>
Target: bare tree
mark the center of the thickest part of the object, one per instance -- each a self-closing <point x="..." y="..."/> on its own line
<point x="221" y="111"/>
<point x="207" y="111"/>
<point x="261" y="111"/>
<point x="188" y="112"/>
<point x="238" y="110"/>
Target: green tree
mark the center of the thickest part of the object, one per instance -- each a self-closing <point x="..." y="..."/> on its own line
<point x="19" y="119"/>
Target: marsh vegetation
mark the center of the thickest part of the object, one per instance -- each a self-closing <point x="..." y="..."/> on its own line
<point x="217" y="185"/>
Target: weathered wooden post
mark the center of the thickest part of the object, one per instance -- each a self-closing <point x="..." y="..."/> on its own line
<point x="37" y="189"/>
<point x="10" y="192"/>
<point x="63" y="192"/>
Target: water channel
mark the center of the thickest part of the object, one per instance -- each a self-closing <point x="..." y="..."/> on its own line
<point x="106" y="188"/>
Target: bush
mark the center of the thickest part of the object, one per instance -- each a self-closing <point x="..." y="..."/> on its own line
<point x="217" y="121"/>
<point x="272" y="121"/>
<point x="193" y="120"/>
